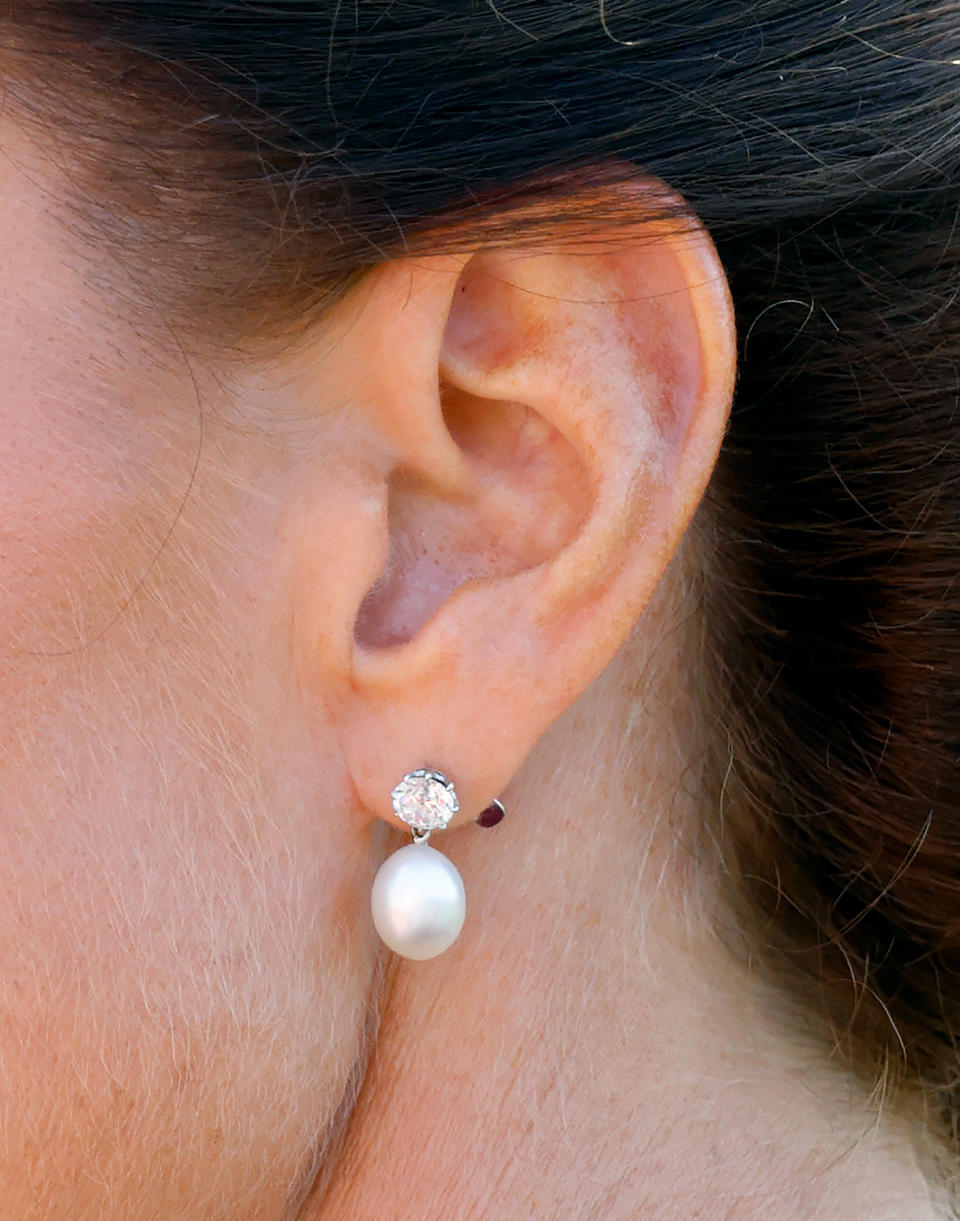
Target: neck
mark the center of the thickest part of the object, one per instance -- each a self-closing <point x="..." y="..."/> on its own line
<point x="589" y="1049"/>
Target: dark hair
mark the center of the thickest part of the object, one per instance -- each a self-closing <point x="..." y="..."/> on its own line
<point x="256" y="157"/>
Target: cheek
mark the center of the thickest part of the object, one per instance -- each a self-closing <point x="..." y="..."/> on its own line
<point x="185" y="950"/>
<point x="183" y="966"/>
<point x="171" y="1043"/>
<point x="97" y="441"/>
<point x="183" y="962"/>
<point x="88" y="485"/>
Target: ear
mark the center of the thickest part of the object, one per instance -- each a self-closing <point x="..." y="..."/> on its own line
<point x="538" y="428"/>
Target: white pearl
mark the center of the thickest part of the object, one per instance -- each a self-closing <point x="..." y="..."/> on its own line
<point x="418" y="902"/>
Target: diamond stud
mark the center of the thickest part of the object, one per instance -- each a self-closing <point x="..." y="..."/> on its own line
<point x="425" y="799"/>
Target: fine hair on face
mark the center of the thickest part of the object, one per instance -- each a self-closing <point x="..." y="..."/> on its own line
<point x="245" y="166"/>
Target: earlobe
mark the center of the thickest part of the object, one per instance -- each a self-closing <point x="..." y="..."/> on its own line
<point x="585" y="393"/>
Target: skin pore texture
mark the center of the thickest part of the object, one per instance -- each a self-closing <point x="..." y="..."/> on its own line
<point x="241" y="596"/>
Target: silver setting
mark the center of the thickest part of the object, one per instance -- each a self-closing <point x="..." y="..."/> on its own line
<point x="425" y="800"/>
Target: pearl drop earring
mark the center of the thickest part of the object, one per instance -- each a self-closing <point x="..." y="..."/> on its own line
<point x="418" y="902"/>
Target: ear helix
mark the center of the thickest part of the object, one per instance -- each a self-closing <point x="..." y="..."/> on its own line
<point x="418" y="901"/>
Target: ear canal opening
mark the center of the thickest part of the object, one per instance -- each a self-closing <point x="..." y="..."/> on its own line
<point x="527" y="496"/>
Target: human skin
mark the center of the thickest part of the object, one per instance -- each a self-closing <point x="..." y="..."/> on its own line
<point x="204" y="709"/>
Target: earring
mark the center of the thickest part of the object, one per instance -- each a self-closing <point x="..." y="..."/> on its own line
<point x="418" y="901"/>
